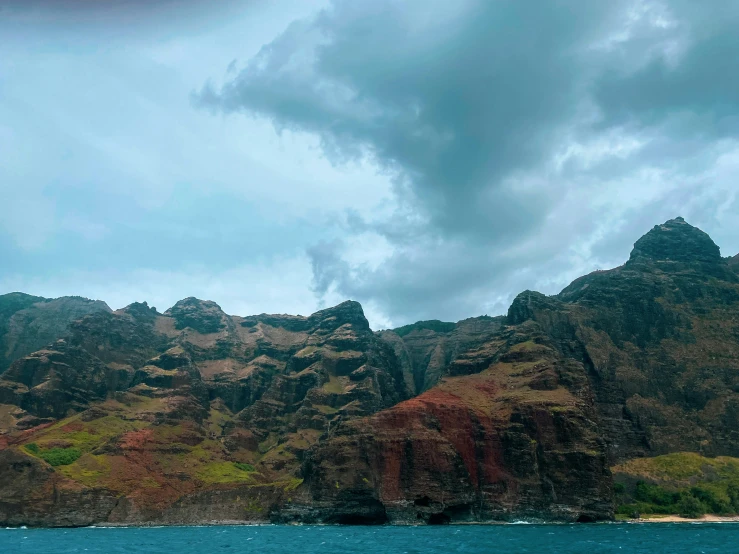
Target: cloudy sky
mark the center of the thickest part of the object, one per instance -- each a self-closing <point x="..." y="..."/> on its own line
<point x="430" y="159"/>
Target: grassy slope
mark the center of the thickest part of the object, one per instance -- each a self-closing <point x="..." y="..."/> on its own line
<point x="682" y="483"/>
<point x="126" y="453"/>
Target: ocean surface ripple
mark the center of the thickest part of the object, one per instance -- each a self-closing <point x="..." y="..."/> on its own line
<point x="652" y="538"/>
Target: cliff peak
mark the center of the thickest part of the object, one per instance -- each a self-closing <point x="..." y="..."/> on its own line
<point x="526" y="304"/>
<point x="348" y="311"/>
<point x="204" y="316"/>
<point x="676" y="241"/>
<point x="141" y="310"/>
<point x="28" y="323"/>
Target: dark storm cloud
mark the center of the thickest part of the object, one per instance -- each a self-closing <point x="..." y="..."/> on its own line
<point x="699" y="91"/>
<point x="469" y="106"/>
<point x="453" y="108"/>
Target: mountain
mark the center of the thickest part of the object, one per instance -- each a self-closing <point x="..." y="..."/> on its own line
<point x="28" y="323"/>
<point x="193" y="415"/>
<point x="155" y="406"/>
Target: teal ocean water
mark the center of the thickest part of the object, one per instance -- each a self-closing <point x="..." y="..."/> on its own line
<point x="653" y="538"/>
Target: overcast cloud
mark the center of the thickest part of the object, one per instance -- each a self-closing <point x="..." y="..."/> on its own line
<point x="528" y="141"/>
<point x="428" y="159"/>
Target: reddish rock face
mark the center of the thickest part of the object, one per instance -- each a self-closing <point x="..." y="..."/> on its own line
<point x="493" y="445"/>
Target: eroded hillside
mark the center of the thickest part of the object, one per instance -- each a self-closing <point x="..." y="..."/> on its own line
<point x="193" y="415"/>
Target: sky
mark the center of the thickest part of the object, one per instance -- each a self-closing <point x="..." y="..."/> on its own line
<point x="429" y="159"/>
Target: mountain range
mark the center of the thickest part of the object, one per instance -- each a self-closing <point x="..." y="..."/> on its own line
<point x="193" y="415"/>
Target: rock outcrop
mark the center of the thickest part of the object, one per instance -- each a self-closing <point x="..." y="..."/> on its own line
<point x="29" y="323"/>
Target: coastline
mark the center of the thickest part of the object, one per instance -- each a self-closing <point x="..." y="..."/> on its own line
<point x="650" y="518"/>
<point x="678" y="519"/>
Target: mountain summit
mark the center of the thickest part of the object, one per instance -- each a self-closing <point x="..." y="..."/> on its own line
<point x="676" y="241"/>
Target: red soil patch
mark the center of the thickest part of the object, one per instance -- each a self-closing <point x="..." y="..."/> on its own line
<point x="73" y="427"/>
<point x="23" y="436"/>
<point x="135" y="440"/>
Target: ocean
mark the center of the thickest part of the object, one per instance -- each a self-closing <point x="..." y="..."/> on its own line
<point x="652" y="538"/>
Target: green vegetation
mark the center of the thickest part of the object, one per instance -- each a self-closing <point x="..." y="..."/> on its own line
<point x="85" y="436"/>
<point x="267" y="444"/>
<point x="333" y="385"/>
<point x="685" y="484"/>
<point x="54" y="456"/>
<point x="88" y="469"/>
<point x="292" y="484"/>
<point x="254" y="507"/>
<point x="60" y="456"/>
<point x="154" y="457"/>
<point x="225" y="472"/>
<point x="287" y="485"/>
<point x="150" y="483"/>
<point x="432" y="325"/>
<point x="692" y="503"/>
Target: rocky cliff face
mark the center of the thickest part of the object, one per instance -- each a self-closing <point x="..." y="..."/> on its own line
<point x="427" y="348"/>
<point x="659" y="338"/>
<point x="516" y="439"/>
<point x="167" y="410"/>
<point x="649" y="350"/>
<point x="28" y="323"/>
<point x="195" y="415"/>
